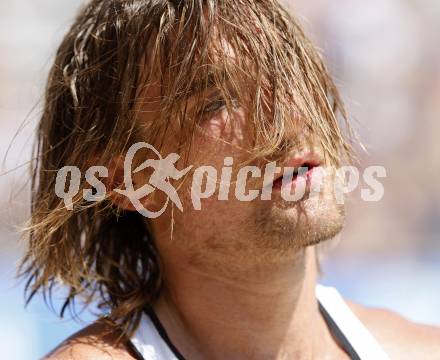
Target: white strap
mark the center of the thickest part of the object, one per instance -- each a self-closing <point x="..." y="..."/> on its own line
<point x="149" y="343"/>
<point x="151" y="346"/>
<point x="362" y="341"/>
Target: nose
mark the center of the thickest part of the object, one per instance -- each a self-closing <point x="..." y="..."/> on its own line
<point x="296" y="137"/>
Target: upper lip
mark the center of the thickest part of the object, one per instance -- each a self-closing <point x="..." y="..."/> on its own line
<point x="304" y="159"/>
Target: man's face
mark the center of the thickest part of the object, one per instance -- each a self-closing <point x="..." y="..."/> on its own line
<point x="231" y="227"/>
<point x="227" y="227"/>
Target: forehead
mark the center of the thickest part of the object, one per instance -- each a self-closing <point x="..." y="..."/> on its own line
<point x="186" y="65"/>
<point x="213" y="64"/>
<point x="253" y="49"/>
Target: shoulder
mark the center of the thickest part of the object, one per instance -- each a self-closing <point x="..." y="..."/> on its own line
<point x="400" y="338"/>
<point x="98" y="341"/>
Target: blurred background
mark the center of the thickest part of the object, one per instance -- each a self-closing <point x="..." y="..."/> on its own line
<point x="385" y="57"/>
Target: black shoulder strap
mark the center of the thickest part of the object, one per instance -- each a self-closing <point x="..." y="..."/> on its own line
<point x="163" y="333"/>
<point x="133" y="351"/>
<point x="338" y="334"/>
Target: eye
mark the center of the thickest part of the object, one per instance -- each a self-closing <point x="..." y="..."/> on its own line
<point x="217" y="105"/>
<point x="214" y="106"/>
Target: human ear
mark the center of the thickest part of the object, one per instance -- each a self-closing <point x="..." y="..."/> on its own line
<point x="118" y="181"/>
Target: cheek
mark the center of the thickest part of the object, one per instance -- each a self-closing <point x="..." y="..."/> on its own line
<point x="219" y="137"/>
<point x="227" y="127"/>
<point x="222" y="135"/>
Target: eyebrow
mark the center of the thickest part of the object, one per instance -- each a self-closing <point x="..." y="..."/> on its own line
<point x="205" y="83"/>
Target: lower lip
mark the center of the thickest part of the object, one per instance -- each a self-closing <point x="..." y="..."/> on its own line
<point x="278" y="184"/>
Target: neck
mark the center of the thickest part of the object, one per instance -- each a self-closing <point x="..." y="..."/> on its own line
<point x="266" y="311"/>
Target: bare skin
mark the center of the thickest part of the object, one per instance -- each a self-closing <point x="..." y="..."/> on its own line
<point x="228" y="294"/>
<point x="239" y="277"/>
<point x="400" y="338"/>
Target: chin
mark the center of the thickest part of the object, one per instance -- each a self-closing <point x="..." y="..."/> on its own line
<point x="293" y="225"/>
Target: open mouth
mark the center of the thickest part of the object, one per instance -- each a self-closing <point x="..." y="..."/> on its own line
<point x="295" y="169"/>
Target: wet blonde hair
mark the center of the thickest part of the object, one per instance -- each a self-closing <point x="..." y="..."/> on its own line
<point x="113" y="51"/>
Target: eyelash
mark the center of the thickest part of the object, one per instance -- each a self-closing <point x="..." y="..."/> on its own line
<point x="217" y="105"/>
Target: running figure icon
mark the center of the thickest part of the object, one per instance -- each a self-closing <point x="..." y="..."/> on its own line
<point x="164" y="170"/>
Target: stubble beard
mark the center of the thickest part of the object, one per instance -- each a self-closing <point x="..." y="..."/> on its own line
<point x="283" y="227"/>
<point x="273" y="232"/>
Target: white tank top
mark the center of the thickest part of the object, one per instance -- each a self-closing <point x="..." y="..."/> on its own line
<point x="151" y="342"/>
